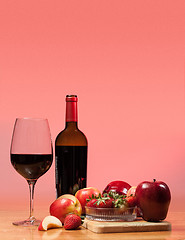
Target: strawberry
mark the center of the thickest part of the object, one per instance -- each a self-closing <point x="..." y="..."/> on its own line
<point x="120" y="201"/>
<point x="91" y="203"/>
<point x="72" y="221"/>
<point x="131" y="201"/>
<point x="100" y="202"/>
<point x="105" y="203"/>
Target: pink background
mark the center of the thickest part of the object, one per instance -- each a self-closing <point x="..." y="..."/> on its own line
<point x="124" y="60"/>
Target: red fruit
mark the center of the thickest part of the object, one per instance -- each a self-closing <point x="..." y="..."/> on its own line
<point x="153" y="199"/>
<point x="131" y="201"/>
<point x="131" y="191"/>
<point x="101" y="202"/>
<point x="119" y="187"/>
<point x="92" y="203"/>
<point x="108" y="203"/>
<point x="72" y="221"/>
<point x="64" y="205"/>
<point x="131" y="198"/>
<point x="85" y="193"/>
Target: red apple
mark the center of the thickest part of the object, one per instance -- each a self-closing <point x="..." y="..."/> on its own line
<point x="153" y="199"/>
<point x="119" y="187"/>
<point x="65" y="205"/>
<point x="84" y="194"/>
<point x="49" y="222"/>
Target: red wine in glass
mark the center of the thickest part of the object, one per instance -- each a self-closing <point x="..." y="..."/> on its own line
<point x="31" y="166"/>
<point x="31" y="155"/>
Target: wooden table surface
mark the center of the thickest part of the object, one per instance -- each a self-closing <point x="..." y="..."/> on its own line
<point x="9" y="231"/>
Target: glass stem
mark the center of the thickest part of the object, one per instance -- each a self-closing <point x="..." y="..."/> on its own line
<point x="31" y="189"/>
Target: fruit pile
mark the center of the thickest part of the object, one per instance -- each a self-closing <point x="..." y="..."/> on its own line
<point x="108" y="200"/>
<point x="151" y="198"/>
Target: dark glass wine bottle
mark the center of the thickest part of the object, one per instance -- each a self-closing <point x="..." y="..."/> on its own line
<point x="70" y="153"/>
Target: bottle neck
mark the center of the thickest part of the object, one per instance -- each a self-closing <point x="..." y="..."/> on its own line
<point x="71" y="125"/>
<point x="71" y="114"/>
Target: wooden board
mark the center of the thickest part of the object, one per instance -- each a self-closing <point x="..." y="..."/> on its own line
<point x="135" y="226"/>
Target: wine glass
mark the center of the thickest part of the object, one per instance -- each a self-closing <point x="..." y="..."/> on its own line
<point x="31" y="155"/>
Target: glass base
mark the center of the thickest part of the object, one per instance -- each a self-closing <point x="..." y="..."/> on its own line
<point x="28" y="222"/>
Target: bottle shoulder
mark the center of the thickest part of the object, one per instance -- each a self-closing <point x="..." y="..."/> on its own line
<point x="69" y="137"/>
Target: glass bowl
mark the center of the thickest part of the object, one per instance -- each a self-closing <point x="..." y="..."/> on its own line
<point x="111" y="214"/>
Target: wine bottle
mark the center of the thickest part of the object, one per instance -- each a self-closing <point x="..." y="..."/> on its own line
<point x="70" y="153"/>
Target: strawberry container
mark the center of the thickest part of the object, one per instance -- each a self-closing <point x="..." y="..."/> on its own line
<point x="111" y="214"/>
